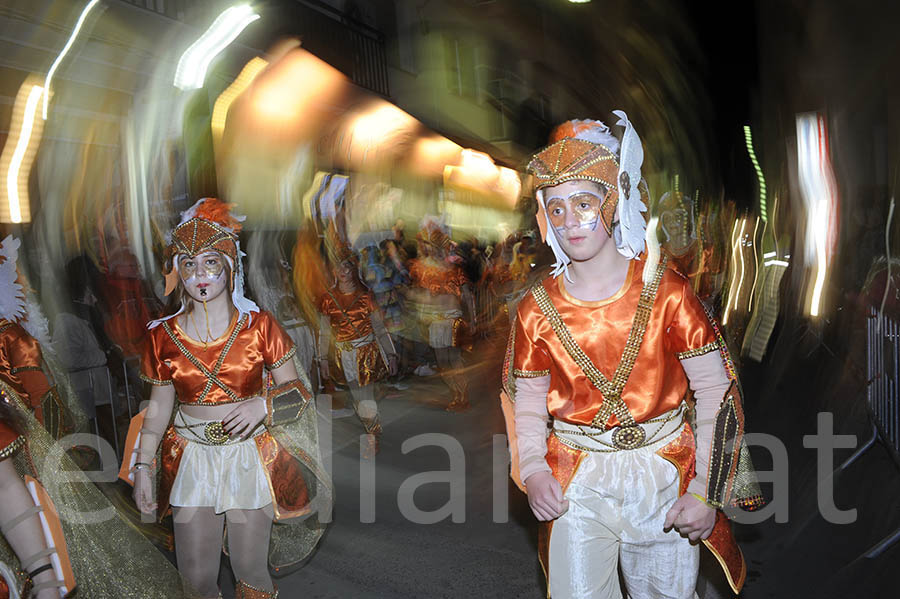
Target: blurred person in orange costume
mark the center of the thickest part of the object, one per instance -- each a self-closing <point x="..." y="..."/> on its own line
<point x="353" y="322"/>
<point x="241" y="453"/>
<point x="605" y="355"/>
<point x="440" y="290"/>
<point x="22" y="364"/>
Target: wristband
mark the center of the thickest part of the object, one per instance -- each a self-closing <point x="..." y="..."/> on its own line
<point x="701" y="498"/>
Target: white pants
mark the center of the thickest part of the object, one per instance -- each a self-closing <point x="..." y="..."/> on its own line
<point x="617" y="506"/>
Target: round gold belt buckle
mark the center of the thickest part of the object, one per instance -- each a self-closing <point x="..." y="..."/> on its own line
<point x="629" y="437"/>
<point x="215" y="433"/>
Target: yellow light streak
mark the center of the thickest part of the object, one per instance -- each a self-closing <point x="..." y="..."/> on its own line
<point x="227" y="97"/>
<point x="65" y="50"/>
<point x="733" y="275"/>
<point x="755" y="262"/>
<point x="16" y="209"/>
<point x="740" y="254"/>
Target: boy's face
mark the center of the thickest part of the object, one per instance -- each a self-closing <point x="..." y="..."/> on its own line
<point x="573" y="209"/>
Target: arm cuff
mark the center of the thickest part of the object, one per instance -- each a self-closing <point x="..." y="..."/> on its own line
<point x="285" y="403"/>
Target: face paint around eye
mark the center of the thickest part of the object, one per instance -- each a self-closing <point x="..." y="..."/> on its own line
<point x="583" y="205"/>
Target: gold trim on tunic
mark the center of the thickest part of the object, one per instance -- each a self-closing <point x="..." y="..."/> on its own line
<point x="530" y="374"/>
<point x="281" y="361"/>
<point x="693" y="353"/>
<point x="611" y="390"/>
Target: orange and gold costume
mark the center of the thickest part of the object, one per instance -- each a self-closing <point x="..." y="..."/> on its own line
<point x="228" y="370"/>
<point x="653" y="386"/>
<point x="10" y="440"/>
<point x="21" y="365"/>
<point x="678" y="327"/>
<point x="440" y="280"/>
<point x="351" y="325"/>
<point x="437" y="280"/>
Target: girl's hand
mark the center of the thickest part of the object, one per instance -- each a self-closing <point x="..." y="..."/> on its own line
<point x="143" y="491"/>
<point x="245" y="417"/>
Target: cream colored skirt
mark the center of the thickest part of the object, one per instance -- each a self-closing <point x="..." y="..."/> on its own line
<point x="440" y="330"/>
<point x="223" y="477"/>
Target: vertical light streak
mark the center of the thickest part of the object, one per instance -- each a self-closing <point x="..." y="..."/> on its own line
<point x="20" y="153"/>
<point x="819" y="194"/>
<point x="227" y="97"/>
<point x="65" y="50"/>
<point x="763" y="211"/>
<point x="740" y="255"/>
<point x="733" y="275"/>
<point x="755" y="262"/>
<point x="191" y="70"/>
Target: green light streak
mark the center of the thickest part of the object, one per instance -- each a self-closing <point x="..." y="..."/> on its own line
<point x="763" y="211"/>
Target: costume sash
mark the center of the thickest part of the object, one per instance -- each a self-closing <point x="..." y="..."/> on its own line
<point x="611" y="390"/>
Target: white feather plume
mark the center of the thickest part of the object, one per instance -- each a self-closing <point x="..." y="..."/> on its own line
<point x="12" y="300"/>
<point x="629" y="234"/>
<point x="597" y="133"/>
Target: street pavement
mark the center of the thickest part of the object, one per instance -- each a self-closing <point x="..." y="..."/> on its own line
<point x="374" y="549"/>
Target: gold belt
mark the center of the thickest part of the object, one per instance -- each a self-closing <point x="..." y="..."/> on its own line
<point x="623" y="437"/>
<point x="347" y="346"/>
<point x="213" y="433"/>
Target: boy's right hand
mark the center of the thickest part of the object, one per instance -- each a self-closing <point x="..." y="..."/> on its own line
<point x="545" y="496"/>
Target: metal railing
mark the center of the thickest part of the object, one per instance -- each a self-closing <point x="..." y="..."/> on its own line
<point x="883" y="374"/>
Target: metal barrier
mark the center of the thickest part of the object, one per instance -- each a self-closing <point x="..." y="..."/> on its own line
<point x="883" y="375"/>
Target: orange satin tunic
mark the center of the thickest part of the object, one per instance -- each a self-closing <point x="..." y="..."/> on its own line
<point x="10" y="440"/>
<point x="171" y="358"/>
<point x="678" y="327"/>
<point x="436" y="279"/>
<point x="21" y="363"/>
<point x="358" y="305"/>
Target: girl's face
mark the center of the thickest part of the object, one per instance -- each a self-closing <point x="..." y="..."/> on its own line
<point x="345" y="272"/>
<point x="205" y="276"/>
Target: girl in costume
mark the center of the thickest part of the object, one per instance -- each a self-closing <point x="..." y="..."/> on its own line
<point x="242" y="451"/>
<point x="440" y="289"/>
<point x="351" y="318"/>
<point x="608" y="353"/>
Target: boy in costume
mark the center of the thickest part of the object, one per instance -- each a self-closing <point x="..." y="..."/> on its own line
<point x="607" y="353"/>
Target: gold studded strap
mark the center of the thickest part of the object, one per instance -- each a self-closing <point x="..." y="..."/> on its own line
<point x="611" y="390"/>
<point x="212" y="376"/>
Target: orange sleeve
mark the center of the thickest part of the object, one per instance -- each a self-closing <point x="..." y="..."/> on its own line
<point x="26" y="360"/>
<point x="153" y="369"/>
<point x="530" y="360"/>
<point x="690" y="333"/>
<point x="277" y="346"/>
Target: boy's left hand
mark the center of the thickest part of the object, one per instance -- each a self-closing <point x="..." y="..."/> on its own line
<point x="691" y="517"/>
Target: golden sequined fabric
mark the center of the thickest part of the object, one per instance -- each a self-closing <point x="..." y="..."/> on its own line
<point x="574" y="159"/>
<point x="197" y="236"/>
